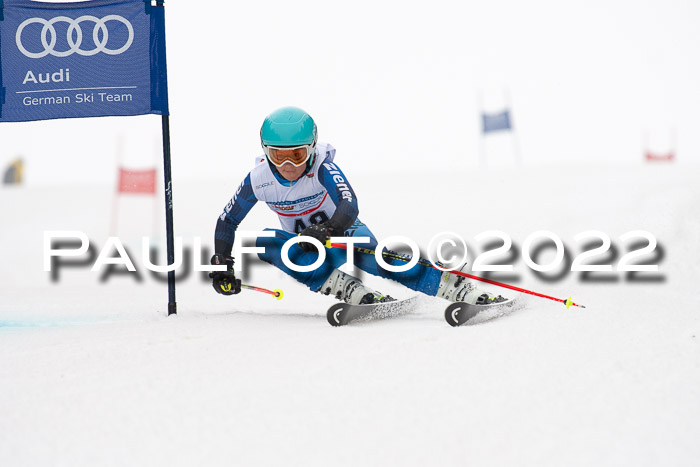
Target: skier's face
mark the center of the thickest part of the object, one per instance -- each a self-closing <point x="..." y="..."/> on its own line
<point x="291" y="173"/>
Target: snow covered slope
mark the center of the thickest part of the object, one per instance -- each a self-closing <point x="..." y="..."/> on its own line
<point x="95" y="374"/>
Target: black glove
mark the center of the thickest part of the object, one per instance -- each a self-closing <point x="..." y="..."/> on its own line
<point x="224" y="282"/>
<point x="321" y="232"/>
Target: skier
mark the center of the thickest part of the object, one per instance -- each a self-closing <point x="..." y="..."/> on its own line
<point x="299" y="180"/>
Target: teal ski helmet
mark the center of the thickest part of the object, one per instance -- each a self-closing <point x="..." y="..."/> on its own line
<point x="288" y="127"/>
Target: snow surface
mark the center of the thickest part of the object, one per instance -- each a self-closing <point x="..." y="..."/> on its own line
<point x="95" y="374"/>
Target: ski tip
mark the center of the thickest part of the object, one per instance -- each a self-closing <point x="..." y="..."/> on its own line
<point x="452" y="316"/>
<point x="335" y="315"/>
<point x="278" y="294"/>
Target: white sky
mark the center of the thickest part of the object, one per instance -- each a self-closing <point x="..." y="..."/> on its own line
<point x="394" y="82"/>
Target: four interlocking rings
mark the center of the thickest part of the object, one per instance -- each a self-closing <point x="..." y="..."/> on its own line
<point x="74" y="25"/>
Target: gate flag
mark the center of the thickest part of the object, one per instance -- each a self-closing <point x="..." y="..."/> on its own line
<point x="496" y="122"/>
<point x="137" y="181"/>
<point x="81" y="59"/>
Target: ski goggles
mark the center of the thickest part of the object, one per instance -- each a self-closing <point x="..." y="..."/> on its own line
<point x="297" y="155"/>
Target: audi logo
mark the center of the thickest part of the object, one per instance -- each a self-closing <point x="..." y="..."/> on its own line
<point x="48" y="36"/>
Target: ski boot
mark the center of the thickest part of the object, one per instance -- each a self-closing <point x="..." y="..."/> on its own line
<point x="460" y="289"/>
<point x="351" y="290"/>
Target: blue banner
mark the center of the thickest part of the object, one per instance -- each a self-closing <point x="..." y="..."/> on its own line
<point x="496" y="122"/>
<point x="82" y="59"/>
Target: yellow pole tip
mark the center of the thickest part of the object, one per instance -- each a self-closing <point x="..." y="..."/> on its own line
<point x="278" y="294"/>
<point x="568" y="303"/>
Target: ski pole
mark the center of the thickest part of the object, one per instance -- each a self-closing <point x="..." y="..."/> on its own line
<point x="277" y="293"/>
<point x="423" y="262"/>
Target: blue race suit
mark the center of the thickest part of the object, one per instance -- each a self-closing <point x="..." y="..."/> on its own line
<point x="322" y="194"/>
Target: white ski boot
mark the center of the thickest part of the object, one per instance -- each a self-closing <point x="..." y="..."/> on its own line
<point x="460" y="289"/>
<point x="351" y="290"/>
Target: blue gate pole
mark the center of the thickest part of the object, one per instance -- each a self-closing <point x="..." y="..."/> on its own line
<point x="165" y="120"/>
<point x="172" y="305"/>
